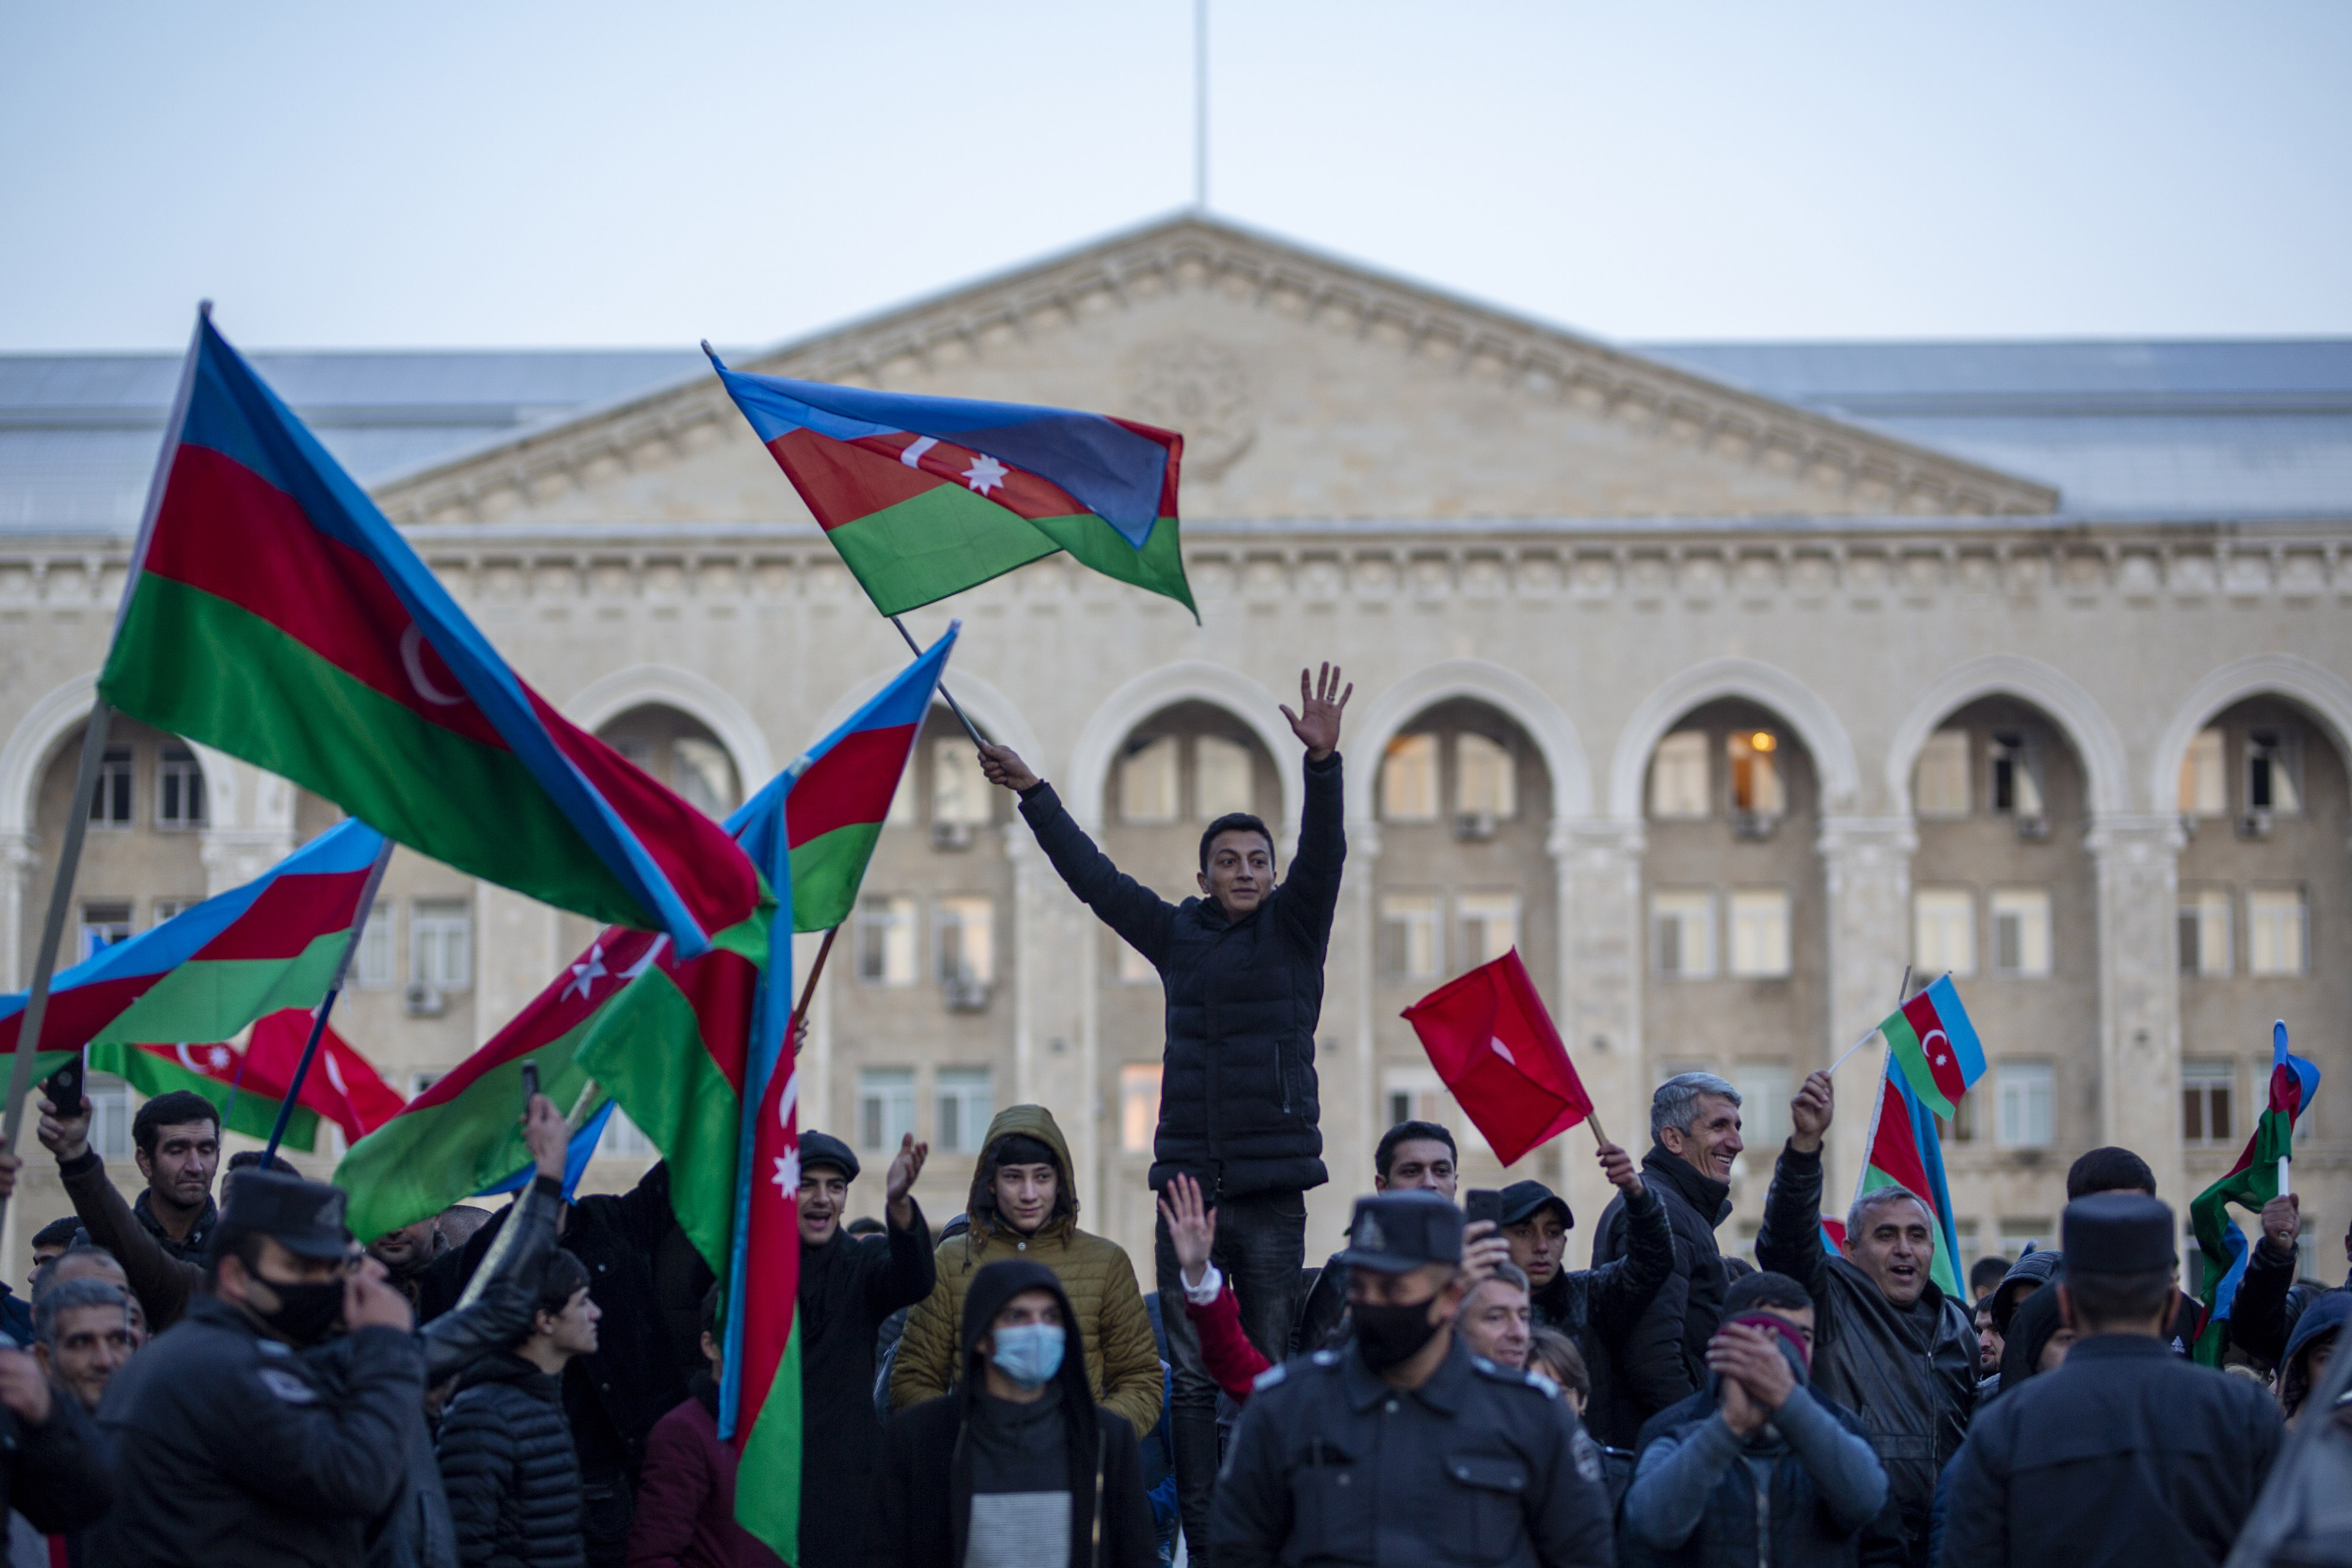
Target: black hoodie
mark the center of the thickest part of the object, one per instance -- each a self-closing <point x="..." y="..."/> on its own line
<point x="931" y="1450"/>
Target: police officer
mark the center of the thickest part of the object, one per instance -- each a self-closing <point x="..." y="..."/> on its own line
<point x="1400" y="1447"/>
<point x="2126" y="1453"/>
<point x="228" y="1445"/>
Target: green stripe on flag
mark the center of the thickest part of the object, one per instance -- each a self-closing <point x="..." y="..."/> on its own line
<point x="768" y="1479"/>
<point x="1903" y="1041"/>
<point x="825" y="874"/>
<point x="932" y="544"/>
<point x="212" y="999"/>
<point x="254" y="1114"/>
<point x="1094" y="544"/>
<point x="262" y="695"/>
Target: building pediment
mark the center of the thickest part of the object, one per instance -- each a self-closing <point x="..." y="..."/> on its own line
<point x="1305" y="387"/>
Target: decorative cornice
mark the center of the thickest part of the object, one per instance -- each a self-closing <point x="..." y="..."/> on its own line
<point x="1191" y="253"/>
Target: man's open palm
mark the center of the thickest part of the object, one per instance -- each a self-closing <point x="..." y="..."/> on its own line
<point x="1316" y="724"/>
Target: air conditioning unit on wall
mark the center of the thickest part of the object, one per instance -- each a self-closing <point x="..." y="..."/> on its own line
<point x="424" y="1001"/>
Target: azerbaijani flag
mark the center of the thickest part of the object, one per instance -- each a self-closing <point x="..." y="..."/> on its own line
<point x="1905" y="1152"/>
<point x="2253" y="1182"/>
<point x="629" y="1019"/>
<point x="200" y="976"/>
<point x="926" y="497"/>
<point x="342" y="1085"/>
<point x="1931" y="1040"/>
<point x="274" y="613"/>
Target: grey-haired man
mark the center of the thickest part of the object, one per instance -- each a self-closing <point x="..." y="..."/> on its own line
<point x="1662" y="1360"/>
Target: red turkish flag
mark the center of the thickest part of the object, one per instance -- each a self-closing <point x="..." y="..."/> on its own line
<point x="1491" y="1041"/>
<point x="341" y="1086"/>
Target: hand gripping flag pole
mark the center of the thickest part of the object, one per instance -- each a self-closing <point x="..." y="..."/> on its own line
<point x="327" y="1002"/>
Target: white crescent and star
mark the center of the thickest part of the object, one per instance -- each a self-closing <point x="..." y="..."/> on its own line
<point x="412" y="659"/>
<point x="1940" y="1059"/>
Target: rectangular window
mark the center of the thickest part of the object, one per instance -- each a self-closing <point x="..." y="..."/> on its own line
<point x="886" y="939"/>
<point x="1486" y="779"/>
<point x="965" y="930"/>
<point x="885" y="1106"/>
<point x="2276" y="937"/>
<point x="959" y="792"/>
<point x="1760" y="933"/>
<point x="1225" y="777"/>
<point x="2205" y="1091"/>
<point x="1417" y="1095"/>
<point x="2205" y="945"/>
<point x="2025" y="1093"/>
<point x="966" y="1101"/>
<point x="2274" y="777"/>
<point x="1682" y="934"/>
<point x="1410" y="945"/>
<point x="1408" y="780"/>
<point x="111" y="806"/>
<point x="2016" y="775"/>
<point x="1490" y="926"/>
<point x="1756" y="787"/>
<point x="173" y="908"/>
<point x="372" y="965"/>
<point x="1942" y="789"/>
<point x="109" y="1115"/>
<point x="102" y="925"/>
<point x="1962" y="1126"/>
<point x="2204" y="777"/>
<point x="623" y="1139"/>
<point x="441" y="943"/>
<point x="1944" y="931"/>
<point x="178" y="789"/>
<point x="1678" y="781"/>
<point x="1139" y="1106"/>
<point x="2021" y="931"/>
<point x="1765" y="1090"/>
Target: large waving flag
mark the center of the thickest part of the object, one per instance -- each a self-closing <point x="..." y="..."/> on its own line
<point x="1493" y="1045"/>
<point x="926" y="497"/>
<point x="274" y="613"/>
<point x="155" y="1007"/>
<point x="341" y="1086"/>
<point x="1905" y="1152"/>
<point x="1936" y="1046"/>
<point x="2253" y="1182"/>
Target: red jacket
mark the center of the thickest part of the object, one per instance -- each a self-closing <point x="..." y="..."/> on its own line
<point x="686" y="1505"/>
<point x="1226" y="1349"/>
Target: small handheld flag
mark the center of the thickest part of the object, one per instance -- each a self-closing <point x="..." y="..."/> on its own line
<point x="2257" y="1177"/>
<point x="1493" y="1044"/>
<point x="926" y="497"/>
<point x="1906" y="1151"/>
<point x="1936" y="1046"/>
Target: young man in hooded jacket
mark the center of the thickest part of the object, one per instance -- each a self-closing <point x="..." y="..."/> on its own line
<point x="1018" y="1468"/>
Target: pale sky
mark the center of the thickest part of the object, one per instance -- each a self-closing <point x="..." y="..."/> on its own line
<point x="495" y="173"/>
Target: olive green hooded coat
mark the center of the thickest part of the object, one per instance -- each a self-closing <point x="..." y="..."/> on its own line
<point x="1122" y="1359"/>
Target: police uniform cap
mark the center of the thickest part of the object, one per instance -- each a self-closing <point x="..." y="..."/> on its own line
<point x="1523" y="1200"/>
<point x="1397" y="1232"/>
<point x="306" y="1218"/>
<point x="824" y="1149"/>
<point x="2118" y="1233"/>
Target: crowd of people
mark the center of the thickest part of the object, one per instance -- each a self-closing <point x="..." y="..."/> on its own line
<point x="241" y="1382"/>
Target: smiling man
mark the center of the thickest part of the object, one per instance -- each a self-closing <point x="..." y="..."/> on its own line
<point x="1889" y="1345"/>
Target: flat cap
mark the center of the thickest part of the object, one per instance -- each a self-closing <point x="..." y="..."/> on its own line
<point x="1524" y="1201"/>
<point x="1397" y="1232"/>
<point x="2118" y="1233"/>
<point x="824" y="1149"/>
<point x="303" y="1216"/>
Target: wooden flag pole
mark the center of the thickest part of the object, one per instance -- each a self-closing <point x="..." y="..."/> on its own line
<point x="326" y="1004"/>
<point x="953" y="706"/>
<point x="1600" y="1138"/>
<point x="808" y="992"/>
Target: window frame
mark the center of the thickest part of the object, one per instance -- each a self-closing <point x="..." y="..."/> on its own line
<point x="2021" y="1081"/>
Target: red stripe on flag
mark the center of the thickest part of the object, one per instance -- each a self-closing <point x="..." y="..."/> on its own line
<point x="1935" y="1044"/>
<point x="842" y="481"/>
<point x="722" y="985"/>
<point x="75" y="1015"/>
<point x="229" y="532"/>
<point x="556" y="1011"/>
<point x="290" y="914"/>
<point x="1896" y="1150"/>
<point x="850" y="785"/>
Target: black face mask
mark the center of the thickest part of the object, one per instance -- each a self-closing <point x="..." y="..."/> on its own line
<point x="1388" y="1335"/>
<point x="308" y="1312"/>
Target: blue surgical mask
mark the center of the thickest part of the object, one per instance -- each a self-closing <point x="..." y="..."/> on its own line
<point x="1029" y="1354"/>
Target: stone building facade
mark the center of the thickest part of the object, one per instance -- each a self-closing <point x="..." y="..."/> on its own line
<point x="1724" y="707"/>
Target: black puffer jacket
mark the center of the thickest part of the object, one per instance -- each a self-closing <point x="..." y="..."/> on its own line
<point x="507" y="1466"/>
<point x="1909" y="1372"/>
<point x="1661" y="1359"/>
<point x="1598" y="1308"/>
<point x="1238" y="1104"/>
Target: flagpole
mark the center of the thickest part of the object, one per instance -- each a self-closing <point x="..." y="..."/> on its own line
<point x="327" y="1002"/>
<point x="1878" y="1106"/>
<point x="953" y="706"/>
<point x="808" y="992"/>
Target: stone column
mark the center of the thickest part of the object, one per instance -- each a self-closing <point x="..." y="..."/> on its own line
<point x="252" y="822"/>
<point x="18" y="859"/>
<point x="1868" y="873"/>
<point x="1599" y="864"/>
<point x="2138" y="863"/>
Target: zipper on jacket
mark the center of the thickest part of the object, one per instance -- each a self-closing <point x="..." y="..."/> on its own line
<point x="1763" y="1514"/>
<point x="1095" y="1550"/>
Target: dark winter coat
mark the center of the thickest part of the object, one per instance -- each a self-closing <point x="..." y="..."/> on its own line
<point x="2126" y="1455"/>
<point x="2262" y="1316"/>
<point x="1909" y="1372"/>
<point x="1238" y="1095"/>
<point x="507" y="1466"/>
<point x="1598" y="1308"/>
<point x="1660" y="1359"/>
<point x="229" y="1446"/>
<point x="54" y="1474"/>
<point x="929" y="1458"/>
<point x="686" y="1509"/>
<point x="847" y="1287"/>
